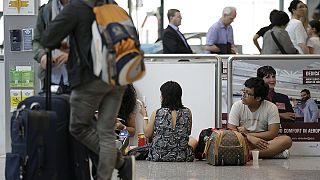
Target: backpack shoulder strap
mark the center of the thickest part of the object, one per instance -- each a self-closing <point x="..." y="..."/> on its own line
<point x="278" y="44"/>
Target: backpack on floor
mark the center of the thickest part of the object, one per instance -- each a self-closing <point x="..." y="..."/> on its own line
<point x="140" y="153"/>
<point x="226" y="148"/>
<point x="115" y="47"/>
<point x="203" y="136"/>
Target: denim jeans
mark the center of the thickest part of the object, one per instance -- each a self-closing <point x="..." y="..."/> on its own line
<point x="84" y="101"/>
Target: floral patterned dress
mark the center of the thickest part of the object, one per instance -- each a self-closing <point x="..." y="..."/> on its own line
<point x="171" y="144"/>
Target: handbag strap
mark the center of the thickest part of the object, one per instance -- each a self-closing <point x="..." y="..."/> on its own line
<point x="278" y="44"/>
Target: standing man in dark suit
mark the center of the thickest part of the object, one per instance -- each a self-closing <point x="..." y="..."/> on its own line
<point x="173" y="40"/>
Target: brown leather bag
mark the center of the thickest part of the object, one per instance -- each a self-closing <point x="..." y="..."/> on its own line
<point x="226" y="147"/>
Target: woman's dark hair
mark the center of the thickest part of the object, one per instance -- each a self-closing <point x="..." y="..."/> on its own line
<point x="265" y="70"/>
<point x="261" y="89"/>
<point x="293" y="5"/>
<point x="272" y="13"/>
<point x="171" y="93"/>
<point x="280" y="18"/>
<point x="128" y="103"/>
<point x="315" y="24"/>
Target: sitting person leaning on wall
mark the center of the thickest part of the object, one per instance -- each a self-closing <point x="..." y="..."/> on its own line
<point x="170" y="127"/>
<point x="282" y="101"/>
<point x="259" y="120"/>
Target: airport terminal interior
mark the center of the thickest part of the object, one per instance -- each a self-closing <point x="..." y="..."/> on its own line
<point x="211" y="83"/>
<point x="294" y="168"/>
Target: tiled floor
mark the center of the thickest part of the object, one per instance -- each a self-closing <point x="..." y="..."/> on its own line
<point x="295" y="168"/>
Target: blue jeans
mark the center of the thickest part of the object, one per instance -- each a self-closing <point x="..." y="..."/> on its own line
<point x="84" y="101"/>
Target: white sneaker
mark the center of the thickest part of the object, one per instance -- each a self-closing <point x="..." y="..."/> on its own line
<point x="283" y="155"/>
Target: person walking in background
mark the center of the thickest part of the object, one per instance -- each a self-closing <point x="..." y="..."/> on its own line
<point x="308" y="109"/>
<point x="170" y="127"/>
<point x="89" y="93"/>
<point x="59" y="73"/>
<point x="295" y="28"/>
<point x="173" y="40"/>
<point x="313" y="42"/>
<point x="259" y="120"/>
<point x="282" y="101"/>
<point x="277" y="40"/>
<point x="262" y="31"/>
<point x="220" y="35"/>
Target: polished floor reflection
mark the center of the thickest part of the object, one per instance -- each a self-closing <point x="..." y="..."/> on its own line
<point x="294" y="168"/>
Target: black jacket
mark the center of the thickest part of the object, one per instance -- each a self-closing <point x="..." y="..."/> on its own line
<point x="282" y="101"/>
<point x="74" y="20"/>
<point x="173" y="44"/>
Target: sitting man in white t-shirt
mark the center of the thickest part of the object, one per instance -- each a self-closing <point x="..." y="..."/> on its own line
<point x="259" y="120"/>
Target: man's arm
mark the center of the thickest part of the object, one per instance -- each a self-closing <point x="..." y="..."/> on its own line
<point x="212" y="37"/>
<point x="314" y="112"/>
<point x="255" y="42"/>
<point x="212" y="48"/>
<point x="60" y="27"/>
<point x="268" y="135"/>
<point x="38" y="49"/>
<point x="232" y="127"/>
<point x="298" y="110"/>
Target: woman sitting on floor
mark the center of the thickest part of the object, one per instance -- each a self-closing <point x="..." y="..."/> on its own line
<point x="170" y="127"/>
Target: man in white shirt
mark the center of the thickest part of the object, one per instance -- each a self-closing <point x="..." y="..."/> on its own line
<point x="259" y="120"/>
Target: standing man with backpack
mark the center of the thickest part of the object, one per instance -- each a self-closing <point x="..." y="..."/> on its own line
<point x="89" y="93"/>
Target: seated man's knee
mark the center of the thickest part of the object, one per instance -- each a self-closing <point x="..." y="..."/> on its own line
<point x="287" y="141"/>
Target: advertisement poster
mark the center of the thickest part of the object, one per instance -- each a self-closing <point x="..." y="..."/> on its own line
<point x="19" y="7"/>
<point x="21" y="39"/>
<point x="300" y="131"/>
<point x="22" y="76"/>
<point x="311" y="76"/>
<point x="15" y="99"/>
<point x="27" y="36"/>
<point x="15" y="40"/>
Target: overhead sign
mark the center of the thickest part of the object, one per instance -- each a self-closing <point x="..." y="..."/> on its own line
<point x="19" y="7"/>
<point x="311" y="76"/>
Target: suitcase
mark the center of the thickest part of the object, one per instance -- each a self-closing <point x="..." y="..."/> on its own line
<point x="42" y="147"/>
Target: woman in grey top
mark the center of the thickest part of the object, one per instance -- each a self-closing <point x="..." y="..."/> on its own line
<point x="280" y="21"/>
